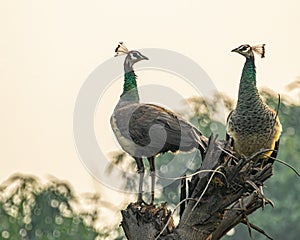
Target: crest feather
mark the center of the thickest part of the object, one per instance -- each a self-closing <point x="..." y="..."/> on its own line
<point x="259" y="49"/>
<point x="121" y="49"/>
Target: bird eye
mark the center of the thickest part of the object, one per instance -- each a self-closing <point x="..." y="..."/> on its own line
<point x="243" y="48"/>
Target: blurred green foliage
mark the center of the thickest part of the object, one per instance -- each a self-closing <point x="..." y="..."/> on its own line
<point x="32" y="210"/>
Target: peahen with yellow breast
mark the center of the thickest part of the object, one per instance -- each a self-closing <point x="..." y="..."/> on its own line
<point x="253" y="125"/>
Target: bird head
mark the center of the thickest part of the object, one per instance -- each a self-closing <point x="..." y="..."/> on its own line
<point x="132" y="57"/>
<point x="247" y="51"/>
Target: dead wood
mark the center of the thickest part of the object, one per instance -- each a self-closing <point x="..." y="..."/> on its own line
<point x="217" y="200"/>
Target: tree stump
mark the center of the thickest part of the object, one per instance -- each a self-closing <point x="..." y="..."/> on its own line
<point x="218" y="199"/>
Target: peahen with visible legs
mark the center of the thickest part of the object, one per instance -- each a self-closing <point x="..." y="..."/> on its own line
<point x="252" y="125"/>
<point x="146" y="130"/>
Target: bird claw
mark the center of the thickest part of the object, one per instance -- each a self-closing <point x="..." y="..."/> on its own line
<point x="141" y="202"/>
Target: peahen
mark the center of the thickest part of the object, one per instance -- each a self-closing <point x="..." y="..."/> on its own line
<point x="253" y="125"/>
<point x="146" y="130"/>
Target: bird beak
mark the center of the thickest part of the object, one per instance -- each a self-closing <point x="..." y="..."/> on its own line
<point x="234" y="50"/>
<point x="145" y="58"/>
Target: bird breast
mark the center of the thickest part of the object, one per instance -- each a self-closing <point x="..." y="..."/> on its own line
<point x="254" y="130"/>
<point x="125" y="142"/>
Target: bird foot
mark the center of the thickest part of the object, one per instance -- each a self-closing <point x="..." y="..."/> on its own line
<point x="141" y="202"/>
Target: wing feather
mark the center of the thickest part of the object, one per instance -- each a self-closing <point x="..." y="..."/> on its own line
<point x="157" y="128"/>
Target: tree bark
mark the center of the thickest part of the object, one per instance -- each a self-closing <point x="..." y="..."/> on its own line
<point x="217" y="200"/>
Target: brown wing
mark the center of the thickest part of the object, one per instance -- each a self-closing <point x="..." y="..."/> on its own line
<point x="151" y="123"/>
<point x="157" y="129"/>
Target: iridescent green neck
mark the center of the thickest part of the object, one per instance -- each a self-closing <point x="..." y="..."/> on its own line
<point x="130" y="91"/>
<point x="248" y="93"/>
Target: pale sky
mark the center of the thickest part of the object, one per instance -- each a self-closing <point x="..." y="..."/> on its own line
<point x="49" y="48"/>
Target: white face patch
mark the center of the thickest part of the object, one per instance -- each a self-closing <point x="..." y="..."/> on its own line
<point x="135" y="55"/>
<point x="132" y="56"/>
<point x="244" y="48"/>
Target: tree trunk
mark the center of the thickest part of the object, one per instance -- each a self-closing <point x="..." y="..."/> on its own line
<point x="217" y="200"/>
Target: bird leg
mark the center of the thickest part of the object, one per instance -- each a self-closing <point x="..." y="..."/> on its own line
<point x="152" y="174"/>
<point x="141" y="172"/>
